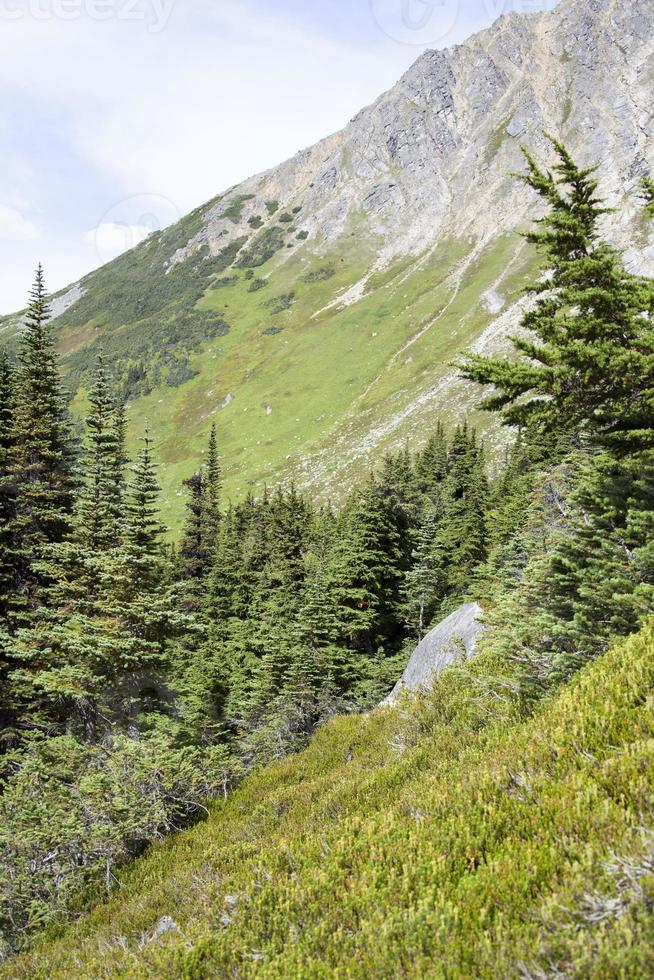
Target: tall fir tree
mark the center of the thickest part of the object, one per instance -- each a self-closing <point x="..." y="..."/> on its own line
<point x="590" y="313"/>
<point x="7" y="499"/>
<point x="7" y="581"/>
<point x="214" y="482"/>
<point x="100" y="501"/>
<point x="423" y="586"/>
<point x="461" y="540"/>
<point x="40" y="459"/>
<point x="589" y="378"/>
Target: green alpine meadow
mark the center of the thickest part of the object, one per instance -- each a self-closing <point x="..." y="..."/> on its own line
<point x="327" y="530"/>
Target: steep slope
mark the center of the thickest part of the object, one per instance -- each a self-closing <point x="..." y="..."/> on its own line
<point x="314" y="310"/>
<point x="449" y="839"/>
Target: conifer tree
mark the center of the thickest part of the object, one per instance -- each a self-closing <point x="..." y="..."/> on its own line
<point x="423" y="585"/>
<point x="214" y="484"/>
<point x="321" y="664"/>
<point x="6" y="492"/>
<point x="40" y="462"/>
<point x="366" y="572"/>
<point x="431" y="464"/>
<point x="200" y="537"/>
<point x="591" y="375"/>
<point x="590" y="313"/>
<point x="7" y="582"/>
<point x="461" y="541"/>
<point x="101" y="494"/>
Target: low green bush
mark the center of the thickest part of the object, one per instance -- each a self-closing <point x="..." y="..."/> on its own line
<point x="278" y="304"/>
<point x="319" y="275"/>
<point x="262" y="248"/>
<point x="450" y="837"/>
<point x="257" y="284"/>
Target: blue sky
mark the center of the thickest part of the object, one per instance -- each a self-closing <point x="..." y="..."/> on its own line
<point x="118" y="116"/>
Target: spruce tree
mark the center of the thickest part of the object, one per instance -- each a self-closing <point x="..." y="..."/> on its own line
<point x="40" y="463"/>
<point x="100" y="503"/>
<point x="461" y="540"/>
<point x="424" y="585"/>
<point x="214" y="483"/>
<point x="6" y="492"/>
<point x="366" y="573"/>
<point x="7" y="581"/>
<point x="589" y="382"/>
<point x="431" y="463"/>
<point x="587" y="359"/>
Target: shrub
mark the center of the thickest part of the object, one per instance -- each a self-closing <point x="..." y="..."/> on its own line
<point x="262" y="248"/>
<point x="70" y="813"/>
<point x="318" y="275"/>
<point x="278" y="304"/>
<point x="257" y="284"/>
<point x="234" y="210"/>
<point x="180" y="373"/>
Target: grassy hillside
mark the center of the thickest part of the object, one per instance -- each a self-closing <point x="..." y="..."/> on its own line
<point x="311" y="367"/>
<point x="451" y="838"/>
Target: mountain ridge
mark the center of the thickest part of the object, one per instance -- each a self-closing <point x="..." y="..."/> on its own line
<point x="313" y="310"/>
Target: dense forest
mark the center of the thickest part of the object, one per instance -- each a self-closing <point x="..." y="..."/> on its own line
<point x="137" y="679"/>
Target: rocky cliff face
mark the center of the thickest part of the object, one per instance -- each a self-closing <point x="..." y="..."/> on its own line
<point x="315" y="309"/>
<point x="432" y="155"/>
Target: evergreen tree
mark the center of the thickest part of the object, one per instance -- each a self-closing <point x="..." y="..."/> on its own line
<point x="587" y="360"/>
<point x="423" y="585"/>
<point x="431" y="464"/>
<point x="200" y="537"/>
<point x="101" y="494"/>
<point x="461" y="541"/>
<point x="40" y="463"/>
<point x="366" y="573"/>
<point x="194" y="558"/>
<point x="214" y="484"/>
<point x="6" y="492"/>
<point x="322" y="665"/>
<point x="592" y="369"/>
<point x="7" y="581"/>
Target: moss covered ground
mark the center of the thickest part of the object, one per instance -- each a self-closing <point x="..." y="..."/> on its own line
<point x="451" y="837"/>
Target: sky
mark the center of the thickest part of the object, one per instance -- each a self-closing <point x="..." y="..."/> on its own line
<point x="117" y="117"/>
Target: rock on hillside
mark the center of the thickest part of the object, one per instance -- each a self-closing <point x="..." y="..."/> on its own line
<point x="452" y="640"/>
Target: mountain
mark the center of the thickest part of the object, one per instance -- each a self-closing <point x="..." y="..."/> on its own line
<point x="314" y="310"/>
<point x="448" y="839"/>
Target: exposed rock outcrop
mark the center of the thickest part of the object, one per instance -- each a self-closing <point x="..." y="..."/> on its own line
<point x="452" y="640"/>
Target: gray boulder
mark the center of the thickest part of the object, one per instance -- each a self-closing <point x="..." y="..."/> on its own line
<point x="452" y="639"/>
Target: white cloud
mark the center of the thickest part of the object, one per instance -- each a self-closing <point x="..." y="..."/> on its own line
<point x="16" y="227"/>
